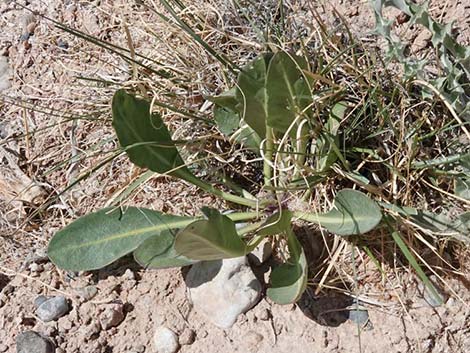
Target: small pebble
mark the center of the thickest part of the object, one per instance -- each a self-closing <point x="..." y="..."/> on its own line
<point x="24" y="37"/>
<point x="264" y="315"/>
<point x="52" y="308"/>
<point x="129" y="274"/>
<point x="34" y="267"/>
<point x="31" y="27"/>
<point x="360" y="317"/>
<point x="165" y="340"/>
<point x="139" y="349"/>
<point x="3" y="348"/>
<point x="112" y="316"/>
<point x="92" y="329"/>
<point x="87" y="292"/>
<point x="33" y="342"/>
<point x="187" y="337"/>
<point x="62" y="44"/>
<point x="64" y="324"/>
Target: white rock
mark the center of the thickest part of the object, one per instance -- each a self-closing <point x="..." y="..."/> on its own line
<point x="4" y="73"/>
<point x="165" y="340"/>
<point x="222" y="290"/>
<point x="261" y="253"/>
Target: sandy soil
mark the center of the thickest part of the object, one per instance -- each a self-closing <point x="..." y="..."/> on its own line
<point x="45" y="68"/>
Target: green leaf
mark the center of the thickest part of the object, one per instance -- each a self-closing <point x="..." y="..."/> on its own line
<point x="278" y="223"/>
<point x="227" y="99"/>
<point x="98" y="239"/>
<point x="248" y="137"/>
<point x="214" y="238"/>
<point x="287" y="90"/>
<point x="352" y="213"/>
<point x="227" y="117"/>
<point x="227" y="120"/>
<point x="145" y="137"/>
<point x="159" y="252"/>
<point x="289" y="280"/>
<point x="251" y="94"/>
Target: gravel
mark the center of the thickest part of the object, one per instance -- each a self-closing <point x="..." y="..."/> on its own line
<point x="33" y="342"/>
<point x="51" y="308"/>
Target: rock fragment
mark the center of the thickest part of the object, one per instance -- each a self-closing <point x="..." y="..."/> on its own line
<point x="222" y="290"/>
<point x="112" y="316"/>
<point x="33" y="342"/>
<point x="165" y="340"/>
<point x="52" y="308"/>
<point x="187" y="337"/>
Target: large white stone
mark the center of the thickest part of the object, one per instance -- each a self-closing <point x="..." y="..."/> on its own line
<point x="221" y="290"/>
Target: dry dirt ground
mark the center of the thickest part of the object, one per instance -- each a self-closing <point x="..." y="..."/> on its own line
<point x="45" y="65"/>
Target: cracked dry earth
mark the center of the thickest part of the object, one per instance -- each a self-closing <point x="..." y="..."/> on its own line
<point x="118" y="309"/>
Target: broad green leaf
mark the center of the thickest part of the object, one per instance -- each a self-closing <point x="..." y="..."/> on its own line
<point x="352" y="213"/>
<point x="145" y="137"/>
<point x="251" y="94"/>
<point x="248" y="137"/>
<point x="287" y="91"/>
<point x="159" y="252"/>
<point x="227" y="120"/>
<point x="214" y="238"/>
<point x="227" y="117"/>
<point x="289" y="280"/>
<point x="98" y="239"/>
<point x="227" y="99"/>
<point x="278" y="223"/>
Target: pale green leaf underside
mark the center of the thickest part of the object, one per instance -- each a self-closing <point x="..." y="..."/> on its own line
<point x="353" y="213"/>
<point x="98" y="239"/>
<point x="159" y="252"/>
<point x="212" y="239"/>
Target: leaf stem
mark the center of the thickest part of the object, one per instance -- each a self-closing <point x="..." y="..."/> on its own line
<point x="268" y="156"/>
<point x="243" y="216"/>
<point x="224" y="195"/>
